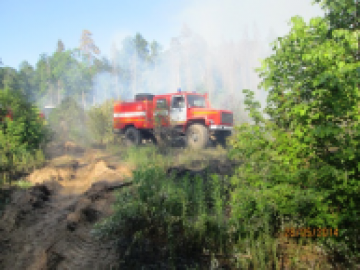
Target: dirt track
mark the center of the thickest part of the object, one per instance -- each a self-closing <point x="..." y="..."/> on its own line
<point x="49" y="225"/>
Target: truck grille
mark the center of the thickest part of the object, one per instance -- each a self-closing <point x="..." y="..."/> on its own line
<point x="226" y="118"/>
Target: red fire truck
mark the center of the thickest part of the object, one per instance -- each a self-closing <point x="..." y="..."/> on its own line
<point x="176" y="115"/>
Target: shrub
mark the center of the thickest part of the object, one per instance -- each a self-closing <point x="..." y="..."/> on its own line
<point x="318" y="107"/>
<point x="100" y="122"/>
<point x="21" y="139"/>
<point x="162" y="219"/>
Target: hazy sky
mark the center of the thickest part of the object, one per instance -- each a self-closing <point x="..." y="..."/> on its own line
<point x="31" y="27"/>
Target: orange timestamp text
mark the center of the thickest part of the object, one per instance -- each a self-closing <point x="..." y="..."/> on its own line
<point x="311" y="232"/>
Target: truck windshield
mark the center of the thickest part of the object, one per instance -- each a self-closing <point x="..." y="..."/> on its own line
<point x="196" y="101"/>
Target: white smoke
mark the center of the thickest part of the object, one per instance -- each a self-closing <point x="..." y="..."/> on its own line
<point x="216" y="51"/>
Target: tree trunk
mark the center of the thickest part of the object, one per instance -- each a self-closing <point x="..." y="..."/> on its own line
<point x="58" y="92"/>
<point x="83" y="99"/>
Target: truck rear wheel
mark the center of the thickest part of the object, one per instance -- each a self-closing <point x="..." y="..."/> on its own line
<point x="197" y="136"/>
<point x="133" y="136"/>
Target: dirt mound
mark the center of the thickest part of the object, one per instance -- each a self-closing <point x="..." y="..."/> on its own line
<point x="42" y="229"/>
<point x="102" y="171"/>
<point x="77" y="175"/>
<point x="56" y="149"/>
<point x="51" y="173"/>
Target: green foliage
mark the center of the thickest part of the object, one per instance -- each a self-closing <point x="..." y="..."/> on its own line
<point x="340" y="13"/>
<point x="23" y="184"/>
<point x="159" y="216"/>
<point x="253" y="106"/>
<point x="8" y="78"/>
<point x="100" y="122"/>
<point x="22" y="138"/>
<point x="291" y="171"/>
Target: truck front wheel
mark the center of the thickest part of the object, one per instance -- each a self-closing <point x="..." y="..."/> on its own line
<point x="133" y="136"/>
<point x="197" y="136"/>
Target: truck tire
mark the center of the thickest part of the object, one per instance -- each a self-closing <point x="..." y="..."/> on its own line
<point x="133" y="136"/>
<point x="197" y="136"/>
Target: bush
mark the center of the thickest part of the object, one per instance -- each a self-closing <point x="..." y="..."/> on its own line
<point x="277" y="185"/>
<point x="100" y="122"/>
<point x="313" y="109"/>
<point x="317" y="108"/>
<point x="167" y="220"/>
<point x="21" y="139"/>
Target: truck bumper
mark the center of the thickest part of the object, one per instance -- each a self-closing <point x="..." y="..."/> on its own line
<point x="220" y="127"/>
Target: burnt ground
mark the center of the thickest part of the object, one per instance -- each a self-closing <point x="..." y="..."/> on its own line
<point x="48" y="226"/>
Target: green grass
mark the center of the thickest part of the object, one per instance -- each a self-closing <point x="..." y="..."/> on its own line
<point x="20" y="164"/>
<point x="22" y="184"/>
<point x="185" y="222"/>
<point x="146" y="156"/>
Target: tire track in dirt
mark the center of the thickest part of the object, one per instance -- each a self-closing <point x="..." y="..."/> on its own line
<point x="57" y="235"/>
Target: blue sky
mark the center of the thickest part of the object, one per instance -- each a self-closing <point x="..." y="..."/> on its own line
<point x="32" y="27"/>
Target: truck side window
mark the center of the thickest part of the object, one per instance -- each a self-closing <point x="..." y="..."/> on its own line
<point x="161" y="104"/>
<point x="178" y="102"/>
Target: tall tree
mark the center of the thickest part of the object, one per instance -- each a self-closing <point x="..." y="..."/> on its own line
<point x="42" y="77"/>
<point x="155" y="50"/>
<point x="89" y="50"/>
<point x="141" y="46"/>
<point x="313" y="82"/>
<point x="27" y="80"/>
<point x="61" y="65"/>
<point x="115" y="69"/>
<point x="140" y="58"/>
<point x="9" y="78"/>
<point x="60" y="46"/>
<point x="87" y="45"/>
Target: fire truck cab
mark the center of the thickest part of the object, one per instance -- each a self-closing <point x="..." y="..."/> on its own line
<point x="175" y="115"/>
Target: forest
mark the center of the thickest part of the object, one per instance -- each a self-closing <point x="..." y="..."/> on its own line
<point x="288" y="197"/>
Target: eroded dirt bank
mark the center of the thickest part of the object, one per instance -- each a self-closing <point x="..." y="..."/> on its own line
<point x="49" y="225"/>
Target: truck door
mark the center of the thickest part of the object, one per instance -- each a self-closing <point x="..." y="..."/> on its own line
<point x="161" y="112"/>
<point x="178" y="110"/>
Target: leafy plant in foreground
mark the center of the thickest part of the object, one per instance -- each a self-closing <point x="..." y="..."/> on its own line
<point x="22" y="138"/>
<point x="308" y="151"/>
<point x="164" y="218"/>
